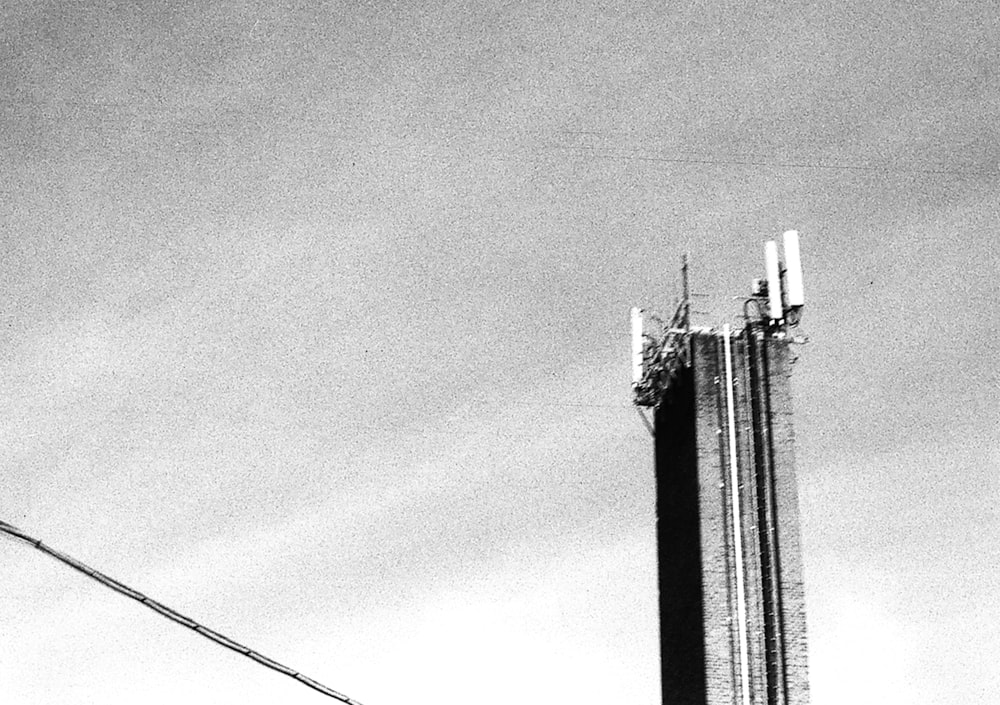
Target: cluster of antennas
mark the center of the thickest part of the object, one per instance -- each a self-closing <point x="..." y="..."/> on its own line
<point x="779" y="297"/>
<point x="660" y="349"/>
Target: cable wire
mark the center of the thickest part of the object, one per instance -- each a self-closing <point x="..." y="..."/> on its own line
<point x="199" y="124"/>
<point x="174" y="616"/>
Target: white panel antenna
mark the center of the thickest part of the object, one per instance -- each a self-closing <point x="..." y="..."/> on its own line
<point x="774" y="308"/>
<point x="793" y="270"/>
<point x="637" y="346"/>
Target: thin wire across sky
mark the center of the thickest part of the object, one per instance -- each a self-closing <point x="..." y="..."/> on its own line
<point x="175" y="616"/>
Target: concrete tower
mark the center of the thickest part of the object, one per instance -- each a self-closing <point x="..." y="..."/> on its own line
<point x="732" y="616"/>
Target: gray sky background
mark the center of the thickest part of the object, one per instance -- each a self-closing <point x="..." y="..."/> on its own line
<point x="315" y="329"/>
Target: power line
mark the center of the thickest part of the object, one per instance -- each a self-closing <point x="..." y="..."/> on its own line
<point x="175" y="616"/>
<point x="608" y="154"/>
<point x="180" y="121"/>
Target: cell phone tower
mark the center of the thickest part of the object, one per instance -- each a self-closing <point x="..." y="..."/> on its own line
<point x="732" y="613"/>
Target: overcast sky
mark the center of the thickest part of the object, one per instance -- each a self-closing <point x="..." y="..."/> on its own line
<point x="314" y="328"/>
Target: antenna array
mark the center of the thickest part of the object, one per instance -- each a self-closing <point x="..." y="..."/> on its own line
<point x="660" y="348"/>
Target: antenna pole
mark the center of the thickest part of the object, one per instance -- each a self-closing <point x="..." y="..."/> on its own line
<point x="687" y="293"/>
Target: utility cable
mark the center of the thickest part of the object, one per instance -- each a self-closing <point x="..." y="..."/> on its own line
<point x="174" y="616"/>
<point x="177" y="122"/>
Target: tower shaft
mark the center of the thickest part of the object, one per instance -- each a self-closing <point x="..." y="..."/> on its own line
<point x="731" y="597"/>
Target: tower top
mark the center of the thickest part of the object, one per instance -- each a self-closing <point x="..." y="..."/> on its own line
<point x="661" y="346"/>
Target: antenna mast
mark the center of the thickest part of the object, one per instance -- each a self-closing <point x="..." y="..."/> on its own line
<point x="687" y="293"/>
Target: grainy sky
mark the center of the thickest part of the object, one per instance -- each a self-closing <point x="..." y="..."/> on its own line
<point x="315" y="329"/>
